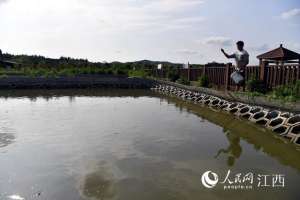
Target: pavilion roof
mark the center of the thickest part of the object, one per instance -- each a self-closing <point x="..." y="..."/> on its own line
<point x="280" y="53"/>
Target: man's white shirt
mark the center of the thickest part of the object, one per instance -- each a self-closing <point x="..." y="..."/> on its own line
<point x="241" y="59"/>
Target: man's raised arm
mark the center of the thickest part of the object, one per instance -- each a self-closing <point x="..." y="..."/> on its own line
<point x="226" y="55"/>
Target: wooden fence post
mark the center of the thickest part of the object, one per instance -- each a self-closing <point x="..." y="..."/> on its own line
<point x="189" y="73"/>
<point x="263" y="72"/>
<point x="203" y="71"/>
<point x="227" y="76"/>
<point x="298" y="69"/>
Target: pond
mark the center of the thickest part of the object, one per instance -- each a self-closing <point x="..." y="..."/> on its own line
<point x="135" y="145"/>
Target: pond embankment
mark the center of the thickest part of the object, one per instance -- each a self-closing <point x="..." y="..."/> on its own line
<point x="78" y="81"/>
<point x="282" y="123"/>
<point x="240" y="97"/>
<point x="121" y="81"/>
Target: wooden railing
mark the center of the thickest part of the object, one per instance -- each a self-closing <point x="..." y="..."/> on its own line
<point x="272" y="75"/>
<point x="281" y="74"/>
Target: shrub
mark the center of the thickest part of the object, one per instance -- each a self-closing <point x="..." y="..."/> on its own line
<point x="100" y="70"/>
<point x="66" y="72"/>
<point x="50" y="73"/>
<point x="109" y="71"/>
<point x="173" y="75"/>
<point x="203" y="81"/>
<point x="183" y="81"/>
<point x="255" y="85"/>
<point x="289" y="92"/>
<point x="3" y="76"/>
<point x="120" y="72"/>
<point x="138" y="73"/>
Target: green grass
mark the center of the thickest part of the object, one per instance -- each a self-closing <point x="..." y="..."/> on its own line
<point x="138" y="73"/>
<point x="62" y="71"/>
<point x="289" y="92"/>
<point x="183" y="81"/>
<point x="283" y="93"/>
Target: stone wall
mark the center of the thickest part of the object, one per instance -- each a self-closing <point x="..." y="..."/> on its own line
<point x="81" y="81"/>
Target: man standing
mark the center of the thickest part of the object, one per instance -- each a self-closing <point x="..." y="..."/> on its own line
<point x="242" y="60"/>
<point x="1" y="56"/>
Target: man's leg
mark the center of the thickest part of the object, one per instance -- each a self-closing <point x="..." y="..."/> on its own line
<point x="244" y="81"/>
<point x="243" y="85"/>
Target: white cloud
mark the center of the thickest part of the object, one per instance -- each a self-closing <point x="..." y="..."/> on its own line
<point x="190" y="20"/>
<point x="187" y="52"/>
<point x="136" y="29"/>
<point x="218" y="41"/>
<point x="291" y="13"/>
<point x="172" y="5"/>
<point x="106" y="15"/>
<point x="293" y="46"/>
<point x="260" y="48"/>
<point x="3" y="1"/>
<point x="142" y="15"/>
<point x="96" y="28"/>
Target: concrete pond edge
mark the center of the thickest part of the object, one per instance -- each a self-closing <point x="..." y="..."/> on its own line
<point x="282" y="121"/>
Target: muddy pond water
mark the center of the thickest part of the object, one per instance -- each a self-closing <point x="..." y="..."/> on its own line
<point x="136" y="145"/>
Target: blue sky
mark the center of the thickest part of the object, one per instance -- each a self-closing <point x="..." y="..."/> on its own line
<point x="129" y="30"/>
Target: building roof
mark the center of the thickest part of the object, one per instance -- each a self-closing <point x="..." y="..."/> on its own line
<point x="280" y="53"/>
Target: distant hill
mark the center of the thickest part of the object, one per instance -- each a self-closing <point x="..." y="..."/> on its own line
<point x="41" y="61"/>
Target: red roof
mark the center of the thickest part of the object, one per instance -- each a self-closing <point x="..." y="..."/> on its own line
<point x="280" y="53"/>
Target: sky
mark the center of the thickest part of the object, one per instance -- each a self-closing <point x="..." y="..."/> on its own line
<point x="162" y="30"/>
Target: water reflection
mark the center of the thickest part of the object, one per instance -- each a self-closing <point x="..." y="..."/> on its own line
<point x="143" y="179"/>
<point x="261" y="139"/>
<point x="6" y="139"/>
<point x="161" y="153"/>
<point x="98" y="185"/>
<point x="233" y="151"/>
<point x="7" y="135"/>
<point x="72" y="93"/>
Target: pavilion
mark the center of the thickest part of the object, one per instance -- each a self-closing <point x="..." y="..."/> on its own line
<point x="280" y="55"/>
